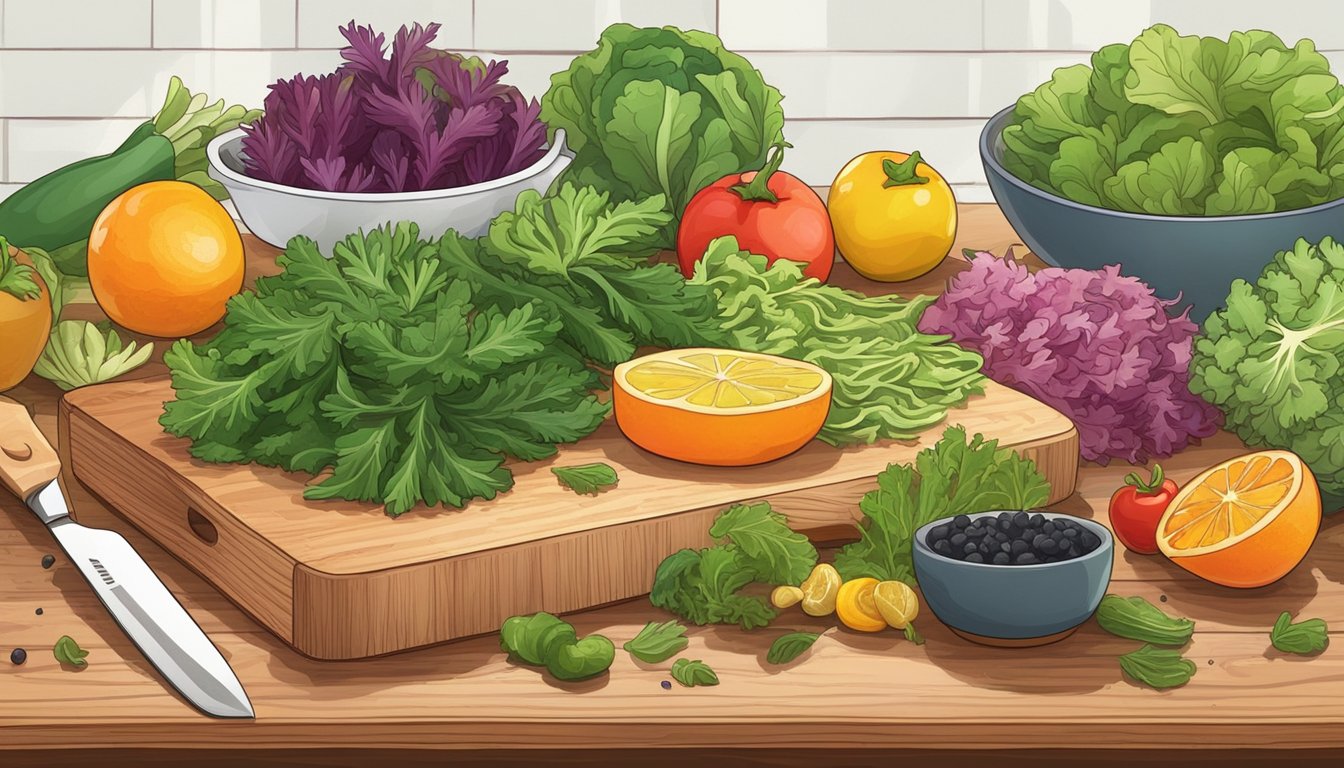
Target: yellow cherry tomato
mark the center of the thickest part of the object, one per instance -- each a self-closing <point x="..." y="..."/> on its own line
<point x="894" y="216"/>
<point x="856" y="608"/>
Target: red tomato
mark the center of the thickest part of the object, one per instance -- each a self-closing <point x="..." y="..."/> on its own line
<point x="770" y="212"/>
<point x="1136" y="509"/>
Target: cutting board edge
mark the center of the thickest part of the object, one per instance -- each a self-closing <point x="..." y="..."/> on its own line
<point x="152" y="518"/>
<point x="525" y="578"/>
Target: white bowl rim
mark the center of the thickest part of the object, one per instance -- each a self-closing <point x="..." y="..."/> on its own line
<point x="216" y="145"/>
<point x="1106" y="545"/>
<point x="993" y="128"/>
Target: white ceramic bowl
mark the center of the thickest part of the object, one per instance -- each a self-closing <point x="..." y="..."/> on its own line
<point x="276" y="212"/>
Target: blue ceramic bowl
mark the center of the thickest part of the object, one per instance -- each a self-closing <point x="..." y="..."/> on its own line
<point x="1014" y="605"/>
<point x="1195" y="257"/>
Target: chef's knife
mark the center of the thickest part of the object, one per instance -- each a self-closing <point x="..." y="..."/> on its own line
<point x="149" y="614"/>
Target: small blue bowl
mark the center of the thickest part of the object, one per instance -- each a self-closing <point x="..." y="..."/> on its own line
<point x="1014" y="605"/>
<point x="1193" y="257"/>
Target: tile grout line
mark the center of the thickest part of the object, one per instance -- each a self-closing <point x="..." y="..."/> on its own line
<point x="4" y="147"/>
<point x="296" y="25"/>
<point x="151" y="24"/>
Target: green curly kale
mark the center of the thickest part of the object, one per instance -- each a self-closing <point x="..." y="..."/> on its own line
<point x="1273" y="360"/>
<point x="414" y="369"/>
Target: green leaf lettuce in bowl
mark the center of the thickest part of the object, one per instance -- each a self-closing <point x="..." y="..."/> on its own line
<point x="1186" y="126"/>
<point x="1189" y="161"/>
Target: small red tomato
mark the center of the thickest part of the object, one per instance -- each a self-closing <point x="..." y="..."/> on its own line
<point x="1136" y="509"/>
<point x="770" y="212"/>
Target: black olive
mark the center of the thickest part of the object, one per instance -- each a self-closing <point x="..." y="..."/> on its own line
<point x="939" y="532"/>
<point x="961" y="521"/>
<point x="18" y="656"/>
<point x="48" y="561"/>
<point x="970" y="547"/>
<point x="1021" y="519"/>
<point x="1026" y="558"/>
<point x="975" y="557"/>
<point x="1019" y="546"/>
<point x="1002" y="558"/>
<point x="942" y="547"/>
<point x="38" y="611"/>
<point x="957" y="539"/>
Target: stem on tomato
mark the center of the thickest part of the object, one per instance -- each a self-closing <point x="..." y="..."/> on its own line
<point x="902" y="173"/>
<point x="758" y="189"/>
<point x="1154" y="483"/>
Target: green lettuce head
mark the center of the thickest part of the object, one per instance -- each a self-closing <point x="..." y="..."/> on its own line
<point x="662" y="112"/>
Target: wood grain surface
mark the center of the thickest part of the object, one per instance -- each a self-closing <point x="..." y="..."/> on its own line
<point x="873" y="696"/>
<point x="341" y="580"/>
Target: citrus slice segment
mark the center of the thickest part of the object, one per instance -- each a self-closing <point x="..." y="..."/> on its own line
<point x="718" y="406"/>
<point x="1245" y="522"/>
<point x="856" y="608"/>
<point x="897" y="603"/>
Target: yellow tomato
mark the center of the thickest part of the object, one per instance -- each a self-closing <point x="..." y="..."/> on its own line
<point x="894" y="217"/>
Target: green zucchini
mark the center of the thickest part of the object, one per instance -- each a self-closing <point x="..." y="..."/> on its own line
<point x="58" y="209"/>
<point x="56" y="212"/>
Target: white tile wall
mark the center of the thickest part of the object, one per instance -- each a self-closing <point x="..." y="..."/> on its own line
<point x="574" y="25"/>
<point x="856" y="74"/>
<point x="225" y="23"/>
<point x="852" y="25"/>
<point x="319" y="20"/>
<point x="77" y="23"/>
<point x="1085" y="25"/>
<point x="45" y="145"/>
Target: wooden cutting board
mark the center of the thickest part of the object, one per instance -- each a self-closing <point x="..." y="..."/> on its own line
<point x="341" y="580"/>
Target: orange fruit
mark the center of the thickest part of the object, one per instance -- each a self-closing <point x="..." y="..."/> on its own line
<point x="25" y="319"/>
<point x="1245" y="522"/>
<point x="164" y="257"/>
<point x="719" y="406"/>
<point x="856" y="607"/>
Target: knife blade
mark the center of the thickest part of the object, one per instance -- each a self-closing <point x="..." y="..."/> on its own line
<point x="139" y="602"/>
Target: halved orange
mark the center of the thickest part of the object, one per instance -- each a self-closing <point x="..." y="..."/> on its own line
<point x="1245" y="522"/>
<point x="720" y="406"/>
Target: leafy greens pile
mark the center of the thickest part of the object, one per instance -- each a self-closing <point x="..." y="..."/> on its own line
<point x="967" y="476"/>
<point x="414" y="368"/>
<point x="1273" y="360"/>
<point x="659" y="111"/>
<point x="420" y="118"/>
<point x="891" y="381"/>
<point x="756" y="545"/>
<point x="1186" y="126"/>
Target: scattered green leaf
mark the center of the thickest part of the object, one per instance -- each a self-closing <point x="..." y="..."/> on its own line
<point x="1158" y="667"/>
<point x="692" y="673"/>
<point x="913" y="635"/>
<point x="1304" y="637"/>
<point x="67" y="651"/>
<point x="788" y="647"/>
<point x="1137" y="619"/>
<point x="657" y="642"/>
<point x="589" y="479"/>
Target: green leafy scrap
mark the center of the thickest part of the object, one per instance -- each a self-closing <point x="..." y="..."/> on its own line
<point x="788" y="647"/>
<point x="1158" y="667"/>
<point x="68" y="652"/>
<point x="755" y="545"/>
<point x="586" y="479"/>
<point x="1303" y="637"/>
<point x="17" y="280"/>
<point x="693" y="672"/>
<point x="968" y="476"/>
<point x="658" y="642"/>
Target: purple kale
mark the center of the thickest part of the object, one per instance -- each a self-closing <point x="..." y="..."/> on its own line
<point x="1097" y="346"/>
<point x="395" y="120"/>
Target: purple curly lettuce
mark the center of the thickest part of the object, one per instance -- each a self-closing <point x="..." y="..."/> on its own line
<point x="1097" y="346"/>
<point x="409" y="118"/>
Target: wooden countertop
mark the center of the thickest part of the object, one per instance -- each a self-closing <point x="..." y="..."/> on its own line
<point x="853" y="693"/>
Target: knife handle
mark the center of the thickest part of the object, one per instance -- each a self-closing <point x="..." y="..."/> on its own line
<point x="27" y="461"/>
